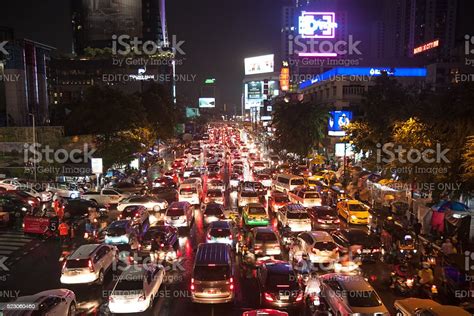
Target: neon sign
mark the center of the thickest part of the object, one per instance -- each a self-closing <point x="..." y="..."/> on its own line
<point x="317" y="24"/>
<point x="426" y="47"/>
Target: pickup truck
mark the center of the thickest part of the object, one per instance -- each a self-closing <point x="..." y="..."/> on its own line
<point x="105" y="196"/>
<point x="305" y="197"/>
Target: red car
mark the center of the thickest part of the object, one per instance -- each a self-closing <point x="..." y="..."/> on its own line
<point x="23" y="196"/>
<point x="276" y="200"/>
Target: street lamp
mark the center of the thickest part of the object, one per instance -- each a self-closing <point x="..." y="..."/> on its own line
<point x="34" y="143"/>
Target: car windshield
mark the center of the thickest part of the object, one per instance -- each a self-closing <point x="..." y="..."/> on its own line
<point x="357" y="208"/>
<point x="211" y="272"/>
<point x="363" y="299"/>
<point x="297" y="215"/>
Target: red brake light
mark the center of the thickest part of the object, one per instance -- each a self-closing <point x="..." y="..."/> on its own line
<point x="299" y="297"/>
<point x="208" y="236"/>
<point x="230" y="237"/>
<point x="231" y="280"/>
<point x="192" y="284"/>
<point x="268" y="297"/>
<point x="162" y="245"/>
<point x="91" y="267"/>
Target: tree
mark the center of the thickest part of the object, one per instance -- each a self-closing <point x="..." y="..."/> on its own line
<point x="299" y="127"/>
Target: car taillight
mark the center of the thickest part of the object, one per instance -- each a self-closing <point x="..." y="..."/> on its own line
<point x="192" y="284"/>
<point x="64" y="264"/>
<point x="208" y="236"/>
<point x="320" y="221"/>
<point x="230" y="237"/>
<point x="91" y="267"/>
<point x="337" y="221"/>
<point x="268" y="297"/>
<point x="111" y="299"/>
<point x="162" y="245"/>
<point x="299" y="297"/>
<point x="141" y="297"/>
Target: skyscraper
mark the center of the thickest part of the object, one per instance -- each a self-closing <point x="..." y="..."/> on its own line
<point x="96" y="21"/>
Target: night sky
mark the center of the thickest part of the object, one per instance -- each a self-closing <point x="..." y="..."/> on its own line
<point x="218" y="34"/>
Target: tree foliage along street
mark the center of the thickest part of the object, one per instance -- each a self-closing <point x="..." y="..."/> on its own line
<point x="418" y="119"/>
<point x="299" y="127"/>
<point x="124" y="124"/>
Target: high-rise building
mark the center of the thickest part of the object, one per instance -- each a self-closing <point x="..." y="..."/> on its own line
<point x="23" y="81"/>
<point x="96" y="21"/>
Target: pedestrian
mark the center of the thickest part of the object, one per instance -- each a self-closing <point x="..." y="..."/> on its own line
<point x="447" y="247"/>
<point x="417" y="228"/>
<point x="63" y="231"/>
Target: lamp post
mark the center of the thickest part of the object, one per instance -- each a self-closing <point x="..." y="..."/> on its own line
<point x="34" y="142"/>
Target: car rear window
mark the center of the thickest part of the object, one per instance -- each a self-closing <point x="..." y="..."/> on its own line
<point x="281" y="199"/>
<point x="312" y="196"/>
<point x="187" y="191"/>
<point x="249" y="194"/>
<point x="363" y="299"/>
<point x="297" y="215"/>
<point x="116" y="231"/>
<point x="325" y="246"/>
<point x="214" y="193"/>
<point x="297" y="182"/>
<point x="219" y="232"/>
<point x="175" y="212"/>
<point x="357" y="208"/>
<point x="257" y="211"/>
<point x="127" y="284"/>
<point x="76" y="264"/>
<point x="282" y="282"/>
<point x="211" y="272"/>
<point x="265" y="236"/>
<point x="213" y="211"/>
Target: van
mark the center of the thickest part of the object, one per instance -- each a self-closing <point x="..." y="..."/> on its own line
<point x="190" y="192"/>
<point x="287" y="182"/>
<point x="179" y="214"/>
<point x="212" y="280"/>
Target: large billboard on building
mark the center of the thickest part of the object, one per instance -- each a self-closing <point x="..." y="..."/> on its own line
<point x="337" y="121"/>
<point x="104" y="18"/>
<point x="317" y="24"/>
<point x="207" y="102"/>
<point x="259" y="64"/>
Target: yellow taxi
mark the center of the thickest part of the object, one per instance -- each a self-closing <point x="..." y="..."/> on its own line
<point x="354" y="212"/>
<point x="255" y="214"/>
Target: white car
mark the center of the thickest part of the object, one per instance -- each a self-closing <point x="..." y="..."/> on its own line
<point x="12" y="184"/>
<point x="136" y="289"/>
<point x="88" y="264"/>
<point x="318" y="245"/>
<point x="350" y="295"/>
<point x="305" y="197"/>
<point x="58" y="302"/>
<point x="295" y="216"/>
<point x="66" y="190"/>
<point x="44" y="196"/>
<point x="246" y="197"/>
<point x="149" y="202"/>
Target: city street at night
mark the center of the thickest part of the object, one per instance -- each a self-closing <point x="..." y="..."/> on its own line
<point x="244" y="158"/>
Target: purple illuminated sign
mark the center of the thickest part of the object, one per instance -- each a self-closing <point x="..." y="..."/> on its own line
<point x="317" y="24"/>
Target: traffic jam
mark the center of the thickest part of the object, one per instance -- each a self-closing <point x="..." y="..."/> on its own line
<point x="225" y="227"/>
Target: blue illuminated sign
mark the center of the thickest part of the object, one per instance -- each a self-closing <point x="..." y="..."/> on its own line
<point x="338" y="120"/>
<point x="370" y="72"/>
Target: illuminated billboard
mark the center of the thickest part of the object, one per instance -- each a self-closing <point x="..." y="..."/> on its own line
<point x="192" y="112"/>
<point x="317" y="24"/>
<point x="338" y="120"/>
<point x="426" y="47"/>
<point x="343" y="149"/>
<point x="259" y="65"/>
<point x="207" y="102"/>
<point x="255" y="90"/>
<point x="285" y="79"/>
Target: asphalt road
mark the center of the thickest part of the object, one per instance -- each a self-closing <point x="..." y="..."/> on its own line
<point x="40" y="270"/>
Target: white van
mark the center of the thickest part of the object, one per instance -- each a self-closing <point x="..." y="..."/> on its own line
<point x="287" y="182"/>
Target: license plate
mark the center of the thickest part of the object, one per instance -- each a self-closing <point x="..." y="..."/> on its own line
<point x="211" y="291"/>
<point x="284" y="297"/>
<point x="366" y="251"/>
